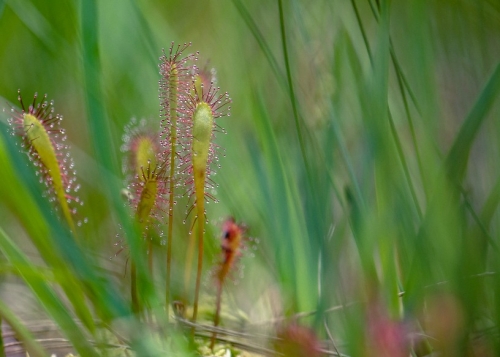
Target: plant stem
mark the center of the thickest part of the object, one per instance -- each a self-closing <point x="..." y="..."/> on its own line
<point x="169" y="246"/>
<point x="217" y="313"/>
<point x="173" y="146"/>
<point x="189" y="263"/>
<point x="201" y="228"/>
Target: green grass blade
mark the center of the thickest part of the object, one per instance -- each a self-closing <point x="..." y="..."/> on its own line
<point x="101" y="137"/>
<point x="286" y="228"/>
<point x="74" y="271"/>
<point x="491" y="204"/>
<point x="261" y="42"/>
<point x="36" y="22"/>
<point x="98" y="121"/>
<point x="293" y="100"/>
<point x="22" y="333"/>
<point x="458" y="156"/>
<point x="362" y="29"/>
<point x="45" y="295"/>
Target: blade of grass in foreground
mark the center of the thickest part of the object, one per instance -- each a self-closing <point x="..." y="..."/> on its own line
<point x="458" y="156"/>
<point x="261" y="42"/>
<point x="18" y="194"/>
<point x="288" y="232"/>
<point x="101" y="136"/>
<point x="45" y="295"/>
<point x="73" y="269"/>
<point x="22" y="333"/>
<point x="293" y="100"/>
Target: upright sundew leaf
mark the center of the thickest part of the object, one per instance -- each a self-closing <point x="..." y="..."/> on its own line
<point x="201" y="111"/>
<point x="147" y="183"/>
<point x="176" y="72"/>
<point x="43" y="139"/>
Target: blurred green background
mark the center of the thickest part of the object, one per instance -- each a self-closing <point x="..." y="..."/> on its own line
<point x="362" y="152"/>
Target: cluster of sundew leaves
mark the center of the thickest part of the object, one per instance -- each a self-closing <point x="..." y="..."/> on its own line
<point x="43" y="140"/>
<point x="147" y="183"/>
<point x="184" y="89"/>
<point x="189" y="111"/>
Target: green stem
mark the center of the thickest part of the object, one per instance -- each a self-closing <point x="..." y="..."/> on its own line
<point x="217" y="313"/>
<point x="188" y="264"/>
<point x="201" y="228"/>
<point x="169" y="245"/>
<point x="173" y="146"/>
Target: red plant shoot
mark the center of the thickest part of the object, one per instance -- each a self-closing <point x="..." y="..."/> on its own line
<point x="232" y="245"/>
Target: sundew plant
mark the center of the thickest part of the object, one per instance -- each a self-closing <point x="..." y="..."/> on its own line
<point x="250" y="178"/>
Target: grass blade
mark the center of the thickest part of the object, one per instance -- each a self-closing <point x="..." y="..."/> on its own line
<point x="261" y="41"/>
<point x="46" y="295"/>
<point x="22" y="333"/>
<point x="458" y="156"/>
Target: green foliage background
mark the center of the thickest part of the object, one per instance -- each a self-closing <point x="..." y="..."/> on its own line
<point x="362" y="151"/>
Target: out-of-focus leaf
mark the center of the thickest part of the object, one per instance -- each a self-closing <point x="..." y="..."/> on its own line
<point x="458" y="156"/>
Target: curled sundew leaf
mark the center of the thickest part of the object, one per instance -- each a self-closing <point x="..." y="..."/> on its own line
<point x="43" y="140"/>
<point x="141" y="146"/>
<point x="145" y="174"/>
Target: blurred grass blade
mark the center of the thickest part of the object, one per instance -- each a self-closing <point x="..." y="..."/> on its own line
<point x="148" y="34"/>
<point x="101" y="137"/>
<point x="300" y="128"/>
<point x="296" y="265"/>
<point x="458" y="156"/>
<point x="491" y="204"/>
<point x="45" y="295"/>
<point x="261" y="42"/>
<point x="362" y="29"/>
<point x="72" y="268"/>
<point x="36" y="22"/>
<point x="22" y="333"/>
<point x="97" y="117"/>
